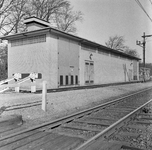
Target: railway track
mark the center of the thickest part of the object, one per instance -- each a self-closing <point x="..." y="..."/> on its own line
<point x="80" y="130"/>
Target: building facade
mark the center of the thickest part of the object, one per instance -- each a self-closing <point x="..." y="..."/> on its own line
<point x="66" y="60"/>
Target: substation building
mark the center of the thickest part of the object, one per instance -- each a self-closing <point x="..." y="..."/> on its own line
<point x="66" y="60"/>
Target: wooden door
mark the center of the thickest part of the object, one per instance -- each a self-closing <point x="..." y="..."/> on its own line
<point x="89" y="72"/>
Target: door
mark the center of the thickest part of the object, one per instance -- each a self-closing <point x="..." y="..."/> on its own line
<point x="89" y="72"/>
<point x="91" y="76"/>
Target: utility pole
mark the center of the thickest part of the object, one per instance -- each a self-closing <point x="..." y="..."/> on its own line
<point x="143" y="45"/>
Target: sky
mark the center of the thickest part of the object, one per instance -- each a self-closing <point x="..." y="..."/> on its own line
<point x="105" y="18"/>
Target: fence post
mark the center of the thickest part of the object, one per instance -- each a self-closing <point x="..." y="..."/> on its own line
<point x="33" y="76"/>
<point x="17" y="89"/>
<point x="44" y="95"/>
<point x="17" y="76"/>
<point x="33" y="87"/>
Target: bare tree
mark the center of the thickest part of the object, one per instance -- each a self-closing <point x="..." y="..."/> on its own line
<point x="118" y="43"/>
<point x="44" y="9"/>
<point x="65" y="19"/>
<point x="132" y="52"/>
<point x="12" y="18"/>
<point x="5" y="6"/>
<point x="1" y="3"/>
<point x="18" y="12"/>
<point x="58" y="12"/>
<point x="3" y="61"/>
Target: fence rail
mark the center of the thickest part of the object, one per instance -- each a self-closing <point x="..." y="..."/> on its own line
<point x="44" y="90"/>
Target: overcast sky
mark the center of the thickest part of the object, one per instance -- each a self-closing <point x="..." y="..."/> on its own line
<point x="105" y="18"/>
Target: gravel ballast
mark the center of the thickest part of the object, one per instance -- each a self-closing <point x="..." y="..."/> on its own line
<point x="63" y="103"/>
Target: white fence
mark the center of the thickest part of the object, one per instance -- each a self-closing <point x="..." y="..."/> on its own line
<point x="44" y="91"/>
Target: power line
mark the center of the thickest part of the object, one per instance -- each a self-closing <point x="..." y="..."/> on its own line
<point x="140" y="5"/>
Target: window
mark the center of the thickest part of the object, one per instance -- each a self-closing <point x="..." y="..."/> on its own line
<point x="66" y="80"/>
<point x="29" y="40"/>
<point x="76" y="79"/>
<point x="71" y="80"/>
<point x="91" y="72"/>
<point x="87" y="71"/>
<point x="61" y="80"/>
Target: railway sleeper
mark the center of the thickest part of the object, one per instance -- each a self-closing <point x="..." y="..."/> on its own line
<point x="145" y="118"/>
<point x="128" y="138"/>
<point x="76" y="127"/>
<point x="55" y="125"/>
<point x="124" y="147"/>
<point x="122" y="110"/>
<point x="12" y="131"/>
<point x="66" y="132"/>
<point x="139" y="127"/>
<point x="124" y="137"/>
<point x="8" y="128"/>
<point x="48" y="128"/>
<point x="105" y="124"/>
<point x="144" y="122"/>
<point x="126" y="107"/>
<point x="130" y="134"/>
<point x="61" y="142"/>
<point x="24" y="141"/>
<point x="17" y="138"/>
<point x="146" y="114"/>
<point x="101" y="118"/>
<point x="105" y="145"/>
<point x="133" y="129"/>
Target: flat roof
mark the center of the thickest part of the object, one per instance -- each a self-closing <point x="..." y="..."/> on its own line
<point x="67" y="35"/>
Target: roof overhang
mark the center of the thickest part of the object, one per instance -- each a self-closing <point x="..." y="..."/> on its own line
<point x="67" y="35"/>
<point x="37" y="21"/>
<point x="25" y="34"/>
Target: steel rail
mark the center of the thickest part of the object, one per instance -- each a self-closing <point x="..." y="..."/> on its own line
<point x="113" y="127"/>
<point x="71" y="117"/>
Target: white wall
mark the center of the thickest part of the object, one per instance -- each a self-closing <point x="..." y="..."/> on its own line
<point x="36" y="57"/>
<point x="107" y="69"/>
<point x="68" y="60"/>
<point x="44" y="58"/>
<point x="53" y="65"/>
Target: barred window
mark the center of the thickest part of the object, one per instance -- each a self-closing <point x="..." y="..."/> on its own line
<point x="66" y="80"/>
<point x="71" y="80"/>
<point x="29" y="40"/>
<point x="76" y="79"/>
<point x="61" y="80"/>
